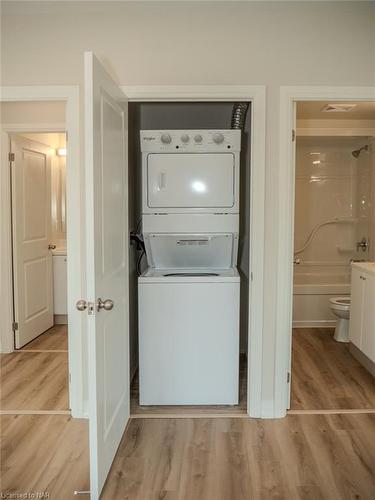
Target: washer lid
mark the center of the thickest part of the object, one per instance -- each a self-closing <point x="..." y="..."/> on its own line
<point x="190" y="251"/>
<point x="201" y="275"/>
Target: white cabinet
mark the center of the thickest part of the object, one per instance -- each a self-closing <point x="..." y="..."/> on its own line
<point x="368" y="325"/>
<point x="60" y="305"/>
<point x="356" y="308"/>
<point x="362" y="311"/>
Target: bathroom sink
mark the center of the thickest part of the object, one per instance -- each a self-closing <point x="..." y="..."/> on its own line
<point x="366" y="267"/>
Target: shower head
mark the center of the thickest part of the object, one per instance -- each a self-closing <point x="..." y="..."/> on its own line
<point x="357" y="152"/>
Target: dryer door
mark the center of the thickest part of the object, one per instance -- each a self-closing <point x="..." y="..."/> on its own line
<point x="191" y="180"/>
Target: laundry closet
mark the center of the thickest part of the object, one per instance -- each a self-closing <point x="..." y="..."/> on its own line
<point x="189" y="217"/>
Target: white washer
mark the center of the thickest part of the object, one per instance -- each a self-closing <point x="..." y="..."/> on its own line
<point x="189" y="336"/>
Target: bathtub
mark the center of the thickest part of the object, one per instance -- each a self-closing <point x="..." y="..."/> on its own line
<point x="311" y="292"/>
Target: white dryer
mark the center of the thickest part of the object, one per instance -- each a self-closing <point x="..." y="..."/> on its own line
<point x="189" y="295"/>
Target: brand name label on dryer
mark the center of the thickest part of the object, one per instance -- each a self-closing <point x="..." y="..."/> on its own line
<point x="191" y="242"/>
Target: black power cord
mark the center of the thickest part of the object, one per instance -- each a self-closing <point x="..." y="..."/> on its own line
<point x="139" y="261"/>
<point x="140" y="246"/>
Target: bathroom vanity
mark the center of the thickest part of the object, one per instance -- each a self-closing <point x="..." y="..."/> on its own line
<point x="60" y="289"/>
<point x="362" y="314"/>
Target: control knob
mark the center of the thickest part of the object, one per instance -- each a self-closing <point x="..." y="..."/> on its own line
<point x="185" y="138"/>
<point x="166" y="139"/>
<point x="218" y="138"/>
<point x="198" y="138"/>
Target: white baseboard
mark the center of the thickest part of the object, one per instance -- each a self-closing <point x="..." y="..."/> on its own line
<point x="315" y="324"/>
<point x="60" y="319"/>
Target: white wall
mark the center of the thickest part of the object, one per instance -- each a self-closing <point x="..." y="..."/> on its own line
<point x="28" y="113"/>
<point x="155" y="43"/>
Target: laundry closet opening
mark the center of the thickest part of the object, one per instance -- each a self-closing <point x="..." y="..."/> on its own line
<point x="208" y="241"/>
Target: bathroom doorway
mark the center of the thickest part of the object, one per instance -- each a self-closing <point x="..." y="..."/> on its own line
<point x="38" y="174"/>
<point x="334" y="222"/>
<point x="38" y="258"/>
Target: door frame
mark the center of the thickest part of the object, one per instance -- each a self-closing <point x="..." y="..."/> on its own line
<point x="76" y="321"/>
<point x="289" y="95"/>
<point x="256" y="94"/>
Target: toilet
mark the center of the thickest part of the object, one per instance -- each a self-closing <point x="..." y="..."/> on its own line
<point x="340" y="306"/>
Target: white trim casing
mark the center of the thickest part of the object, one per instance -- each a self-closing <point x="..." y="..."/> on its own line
<point x="6" y="280"/>
<point x="288" y="96"/>
<point x="257" y="96"/>
<point x="77" y="326"/>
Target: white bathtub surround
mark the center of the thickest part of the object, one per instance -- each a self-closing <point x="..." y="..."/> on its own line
<point x="332" y="208"/>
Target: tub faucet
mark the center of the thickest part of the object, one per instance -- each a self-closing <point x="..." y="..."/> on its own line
<point x="363" y="244"/>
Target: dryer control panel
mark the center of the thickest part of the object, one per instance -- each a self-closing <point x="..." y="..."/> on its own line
<point x="154" y="141"/>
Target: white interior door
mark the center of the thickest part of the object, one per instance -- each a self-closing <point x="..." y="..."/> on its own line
<point x="107" y="267"/>
<point x="31" y="227"/>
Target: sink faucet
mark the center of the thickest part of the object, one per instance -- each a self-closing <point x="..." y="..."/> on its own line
<point x="363" y="244"/>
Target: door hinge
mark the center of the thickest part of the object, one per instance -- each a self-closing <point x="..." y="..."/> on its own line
<point x="293" y="135"/>
<point x="14" y="326"/>
<point x="11" y="157"/>
<point x="288" y="378"/>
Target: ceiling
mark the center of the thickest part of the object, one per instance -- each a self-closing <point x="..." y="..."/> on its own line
<point x="312" y="110"/>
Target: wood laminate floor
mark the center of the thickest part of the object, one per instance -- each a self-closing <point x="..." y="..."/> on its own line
<point x="136" y="410"/>
<point x="325" y="375"/>
<point x="44" y="453"/>
<point x="34" y="381"/>
<point x="56" y="338"/>
<point x="36" y="377"/>
<point x="299" y="457"/>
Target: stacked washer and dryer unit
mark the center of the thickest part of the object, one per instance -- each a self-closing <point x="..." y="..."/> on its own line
<point x="189" y="295"/>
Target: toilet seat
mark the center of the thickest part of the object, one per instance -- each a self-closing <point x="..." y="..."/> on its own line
<point x="340" y="303"/>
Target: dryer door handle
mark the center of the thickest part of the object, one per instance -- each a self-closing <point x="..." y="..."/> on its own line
<point x="162" y="180"/>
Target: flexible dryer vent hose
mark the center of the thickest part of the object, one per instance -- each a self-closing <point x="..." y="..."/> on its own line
<point x="239" y="114"/>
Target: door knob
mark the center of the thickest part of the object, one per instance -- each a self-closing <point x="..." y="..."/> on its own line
<point x="107" y="304"/>
<point x="51" y="247"/>
<point x="81" y="305"/>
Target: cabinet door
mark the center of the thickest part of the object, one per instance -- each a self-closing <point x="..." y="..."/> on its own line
<point x="356" y="308"/>
<point x="368" y="326"/>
